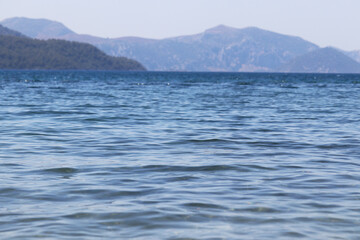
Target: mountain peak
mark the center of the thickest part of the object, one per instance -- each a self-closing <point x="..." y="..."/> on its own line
<point x="220" y="29"/>
<point x="37" y="28"/>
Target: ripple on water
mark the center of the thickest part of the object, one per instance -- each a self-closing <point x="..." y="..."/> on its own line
<point x="104" y="155"/>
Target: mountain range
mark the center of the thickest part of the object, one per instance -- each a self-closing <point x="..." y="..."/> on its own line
<point x="221" y="48"/>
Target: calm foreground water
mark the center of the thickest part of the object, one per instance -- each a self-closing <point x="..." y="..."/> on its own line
<point x="96" y="155"/>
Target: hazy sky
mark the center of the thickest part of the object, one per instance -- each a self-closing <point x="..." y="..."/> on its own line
<point x="324" y="22"/>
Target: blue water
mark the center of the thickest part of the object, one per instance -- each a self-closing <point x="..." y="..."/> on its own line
<point x="100" y="155"/>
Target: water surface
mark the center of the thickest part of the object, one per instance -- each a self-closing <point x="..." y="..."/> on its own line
<point x="99" y="155"/>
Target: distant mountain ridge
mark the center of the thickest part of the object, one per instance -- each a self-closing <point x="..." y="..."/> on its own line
<point x="20" y="52"/>
<point x="354" y="55"/>
<point x="221" y="48"/>
<point x="323" y="60"/>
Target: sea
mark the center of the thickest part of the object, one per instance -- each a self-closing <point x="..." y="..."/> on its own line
<point x="176" y="155"/>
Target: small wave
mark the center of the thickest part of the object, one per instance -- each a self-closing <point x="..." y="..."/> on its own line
<point x="245" y="83"/>
<point x="279" y="144"/>
<point x="259" y="210"/>
<point x="53" y="112"/>
<point x="181" y="178"/>
<point x="208" y="168"/>
<point x="15" y="165"/>
<point x="201" y="141"/>
<point x="336" y="146"/>
<point x="200" y="205"/>
<point x="63" y="170"/>
<point x="8" y="190"/>
<point x="294" y="235"/>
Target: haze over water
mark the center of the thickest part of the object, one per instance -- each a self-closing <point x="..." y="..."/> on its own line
<point x="87" y="155"/>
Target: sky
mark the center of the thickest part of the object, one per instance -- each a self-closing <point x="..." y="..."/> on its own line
<point x="324" y="22"/>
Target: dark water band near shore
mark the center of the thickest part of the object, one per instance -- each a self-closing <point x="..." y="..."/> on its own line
<point x="100" y="155"/>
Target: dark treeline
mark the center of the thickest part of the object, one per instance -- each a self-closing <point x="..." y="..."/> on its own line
<point x="25" y="53"/>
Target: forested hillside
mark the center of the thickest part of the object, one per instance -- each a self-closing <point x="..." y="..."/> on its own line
<point x="17" y="52"/>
